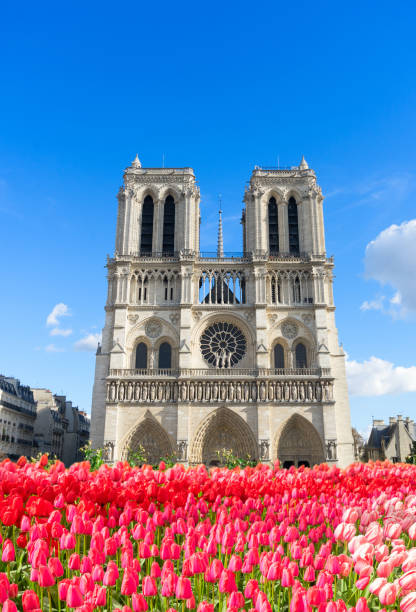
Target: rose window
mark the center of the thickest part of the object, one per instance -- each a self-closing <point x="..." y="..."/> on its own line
<point x="223" y="345"/>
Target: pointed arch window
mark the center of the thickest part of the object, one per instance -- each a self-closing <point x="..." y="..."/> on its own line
<point x="273" y="227"/>
<point x="165" y="356"/>
<point x="168" y="226"/>
<point x="279" y="356"/>
<point x="292" y="213"/>
<point x="147" y="226"/>
<point x="141" y="356"/>
<point x="300" y="354"/>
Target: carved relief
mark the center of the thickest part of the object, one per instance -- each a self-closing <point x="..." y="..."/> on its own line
<point x="153" y="328"/>
<point x="288" y="391"/>
<point x="133" y="318"/>
<point x="289" y="330"/>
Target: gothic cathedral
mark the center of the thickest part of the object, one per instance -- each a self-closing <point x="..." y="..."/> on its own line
<point x="209" y="351"/>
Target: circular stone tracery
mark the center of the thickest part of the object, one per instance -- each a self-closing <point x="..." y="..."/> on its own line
<point x="223" y="345"/>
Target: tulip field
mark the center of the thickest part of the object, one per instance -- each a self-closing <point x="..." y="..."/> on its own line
<point x="174" y="539"/>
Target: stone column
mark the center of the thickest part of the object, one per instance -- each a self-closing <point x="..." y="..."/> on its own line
<point x="157" y="226"/>
<point x="283" y="227"/>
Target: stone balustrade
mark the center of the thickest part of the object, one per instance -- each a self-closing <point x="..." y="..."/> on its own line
<point x="221" y="372"/>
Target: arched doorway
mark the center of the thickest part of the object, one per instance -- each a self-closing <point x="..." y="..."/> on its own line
<point x="152" y="437"/>
<point x="298" y="443"/>
<point x="222" y="429"/>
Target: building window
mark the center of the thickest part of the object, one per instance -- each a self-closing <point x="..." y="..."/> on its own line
<point x="165" y="356"/>
<point x="273" y="227"/>
<point x="168" y="226"/>
<point x="279" y="356"/>
<point x="147" y="226"/>
<point x="292" y="213"/>
<point x="301" y="361"/>
<point x="223" y="345"/>
<point x="141" y="356"/>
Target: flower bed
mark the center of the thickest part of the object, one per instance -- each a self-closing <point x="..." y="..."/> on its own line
<point x="174" y="539"/>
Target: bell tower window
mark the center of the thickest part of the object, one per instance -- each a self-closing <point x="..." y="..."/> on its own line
<point x="168" y="226"/>
<point x="292" y="213"/>
<point x="273" y="227"/>
<point x="147" y="226"/>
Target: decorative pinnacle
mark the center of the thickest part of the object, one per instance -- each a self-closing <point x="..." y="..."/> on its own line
<point x="303" y="164"/>
<point x="136" y="163"/>
<point x="220" y="247"/>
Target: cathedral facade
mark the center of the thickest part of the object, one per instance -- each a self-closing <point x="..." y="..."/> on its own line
<point x="209" y="351"/>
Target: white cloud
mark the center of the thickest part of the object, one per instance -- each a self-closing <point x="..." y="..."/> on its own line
<point x="60" y="310"/>
<point x="379" y="377"/>
<point x="377" y="304"/>
<point x="51" y="348"/>
<point x="56" y="331"/>
<point x="390" y="259"/>
<point x="88" y="343"/>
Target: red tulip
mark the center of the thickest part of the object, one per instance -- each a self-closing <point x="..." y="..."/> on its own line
<point x="129" y="583"/>
<point x="74" y="597"/>
<point x="45" y="577"/>
<point x="139" y="603"/>
<point x="149" y="587"/>
<point x="227" y="582"/>
<point x="204" y="606"/>
<point x="30" y="601"/>
<point x="183" y="588"/>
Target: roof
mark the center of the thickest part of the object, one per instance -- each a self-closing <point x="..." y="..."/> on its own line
<point x="379" y="433"/>
<point x="13" y="386"/>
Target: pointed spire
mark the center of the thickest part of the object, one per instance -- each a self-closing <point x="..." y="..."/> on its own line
<point x="136" y="163"/>
<point x="220" y="247"/>
<point x="303" y="164"/>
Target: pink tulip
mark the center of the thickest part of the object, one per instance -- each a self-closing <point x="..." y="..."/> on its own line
<point x="361" y="605"/>
<point x="376" y="585"/>
<point x="408" y="603"/>
<point x="8" y="553"/>
<point x="387" y="594"/>
<point x="408" y="581"/>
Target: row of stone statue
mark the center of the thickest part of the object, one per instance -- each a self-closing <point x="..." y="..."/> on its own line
<point x="212" y="391"/>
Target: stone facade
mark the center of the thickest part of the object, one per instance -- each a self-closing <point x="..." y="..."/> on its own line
<point x="17" y="418"/>
<point x="210" y="351"/>
<point x="60" y="428"/>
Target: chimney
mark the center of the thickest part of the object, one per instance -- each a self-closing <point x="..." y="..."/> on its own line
<point x="392" y="420"/>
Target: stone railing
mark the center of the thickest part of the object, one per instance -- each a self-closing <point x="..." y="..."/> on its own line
<point x="230" y="257"/>
<point x="212" y="391"/>
<point x="215" y="372"/>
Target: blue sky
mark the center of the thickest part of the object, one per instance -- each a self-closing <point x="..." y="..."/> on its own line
<point x="219" y="87"/>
